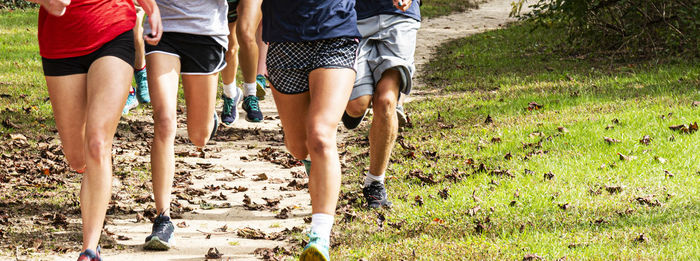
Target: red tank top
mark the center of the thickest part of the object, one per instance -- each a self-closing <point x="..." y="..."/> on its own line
<point x="84" y="28"/>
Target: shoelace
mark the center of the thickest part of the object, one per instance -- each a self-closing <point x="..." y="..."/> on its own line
<point x="252" y="103"/>
<point x="160" y="228"/>
<point x="228" y="104"/>
<point x="375" y="192"/>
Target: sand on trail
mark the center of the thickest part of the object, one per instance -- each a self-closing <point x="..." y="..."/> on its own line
<point x="191" y="242"/>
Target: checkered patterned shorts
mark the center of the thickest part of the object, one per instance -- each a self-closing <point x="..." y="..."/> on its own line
<point x="289" y="63"/>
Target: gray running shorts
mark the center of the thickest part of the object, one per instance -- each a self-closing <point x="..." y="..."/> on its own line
<point x="388" y="42"/>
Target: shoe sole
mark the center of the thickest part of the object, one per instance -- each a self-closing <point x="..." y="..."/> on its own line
<point x="312" y="254"/>
<point x="156" y="244"/>
<point x="260" y="91"/>
<point x="403" y="120"/>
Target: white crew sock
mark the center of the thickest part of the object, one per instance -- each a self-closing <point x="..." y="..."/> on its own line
<point x="369" y="178"/>
<point x="250" y="89"/>
<point x="321" y="224"/>
<point x="229" y="90"/>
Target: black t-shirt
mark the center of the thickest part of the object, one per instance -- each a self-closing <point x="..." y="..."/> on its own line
<point x="308" y="20"/>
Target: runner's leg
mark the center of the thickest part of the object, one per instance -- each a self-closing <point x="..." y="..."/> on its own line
<point x="163" y="77"/>
<point x="329" y="92"/>
<point x="107" y="84"/>
<point x="384" y="122"/>
<point x="200" y="97"/>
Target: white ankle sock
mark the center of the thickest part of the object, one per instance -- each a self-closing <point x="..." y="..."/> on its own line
<point x="321" y="224"/>
<point x="229" y="90"/>
<point x="369" y="178"/>
<point x="250" y="89"/>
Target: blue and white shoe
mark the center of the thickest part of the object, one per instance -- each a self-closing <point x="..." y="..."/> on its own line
<point x="161" y="234"/>
<point x="316" y="249"/>
<point x="229" y="113"/>
<point x="131" y="102"/>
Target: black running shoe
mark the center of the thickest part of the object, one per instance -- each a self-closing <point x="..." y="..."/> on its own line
<point x="375" y="194"/>
<point x="161" y="234"/>
<point x="252" y="109"/>
<point x="351" y="122"/>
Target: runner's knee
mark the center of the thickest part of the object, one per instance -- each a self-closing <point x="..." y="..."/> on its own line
<point x="97" y="146"/>
<point x="358" y="106"/>
<point x="321" y="139"/>
<point x="164" y="127"/>
<point x="384" y="103"/>
<point x="199" y="137"/>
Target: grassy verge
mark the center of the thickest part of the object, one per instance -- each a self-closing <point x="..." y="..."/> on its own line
<point x="537" y="179"/>
<point x="435" y="8"/>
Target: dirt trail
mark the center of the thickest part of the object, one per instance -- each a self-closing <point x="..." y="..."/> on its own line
<point x="246" y="140"/>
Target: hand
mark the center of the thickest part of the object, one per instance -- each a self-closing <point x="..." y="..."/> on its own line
<point x="156" y="28"/>
<point x="403" y="5"/>
<point x="55" y="7"/>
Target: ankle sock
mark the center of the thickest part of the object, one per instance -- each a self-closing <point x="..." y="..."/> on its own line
<point x="369" y="178"/>
<point x="321" y="224"/>
<point x="228" y="89"/>
<point x="250" y="89"/>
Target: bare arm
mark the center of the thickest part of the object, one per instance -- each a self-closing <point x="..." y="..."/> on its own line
<point x="54" y="7"/>
<point x="151" y="9"/>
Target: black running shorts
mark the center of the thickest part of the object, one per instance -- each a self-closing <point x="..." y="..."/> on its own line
<point x="121" y="47"/>
<point x="199" y="54"/>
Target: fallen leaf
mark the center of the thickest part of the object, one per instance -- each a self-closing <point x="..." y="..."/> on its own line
<point x="533" y="106"/>
<point x="562" y="129"/>
<point x="549" y="175"/>
<point x="182" y="224"/>
<point x="444" y="193"/>
<point x="641" y="238"/>
<point x="260" y="177"/>
<point x="645" y="140"/>
<point x="488" y="120"/>
<point x="419" y="200"/>
<point x="531" y="257"/>
<point x="213" y="253"/>
<point x="611" y="140"/>
<point x="660" y="159"/>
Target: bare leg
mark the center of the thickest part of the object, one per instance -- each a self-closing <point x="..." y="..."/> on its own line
<point x="87" y="110"/>
<point x="249" y="15"/>
<point x="228" y="74"/>
<point x="262" y="52"/>
<point x="140" y="60"/>
<point x="163" y="77"/>
<point x="200" y="97"/>
<point x="384" y="123"/>
<point x="69" y="102"/>
<point x="107" y="85"/>
<point x="329" y="93"/>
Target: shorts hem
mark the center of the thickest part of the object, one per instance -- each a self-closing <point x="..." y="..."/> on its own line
<point x="163" y="52"/>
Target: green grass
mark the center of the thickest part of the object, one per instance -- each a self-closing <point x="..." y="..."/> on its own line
<point x="435" y="8"/>
<point x="25" y="98"/>
<point x="498" y="74"/>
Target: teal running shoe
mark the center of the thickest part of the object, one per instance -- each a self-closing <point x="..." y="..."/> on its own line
<point x="307" y="166"/>
<point x="142" y="86"/>
<point x="252" y="109"/>
<point x="261" y="84"/>
<point x="316" y="249"/>
<point x="131" y="102"/>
